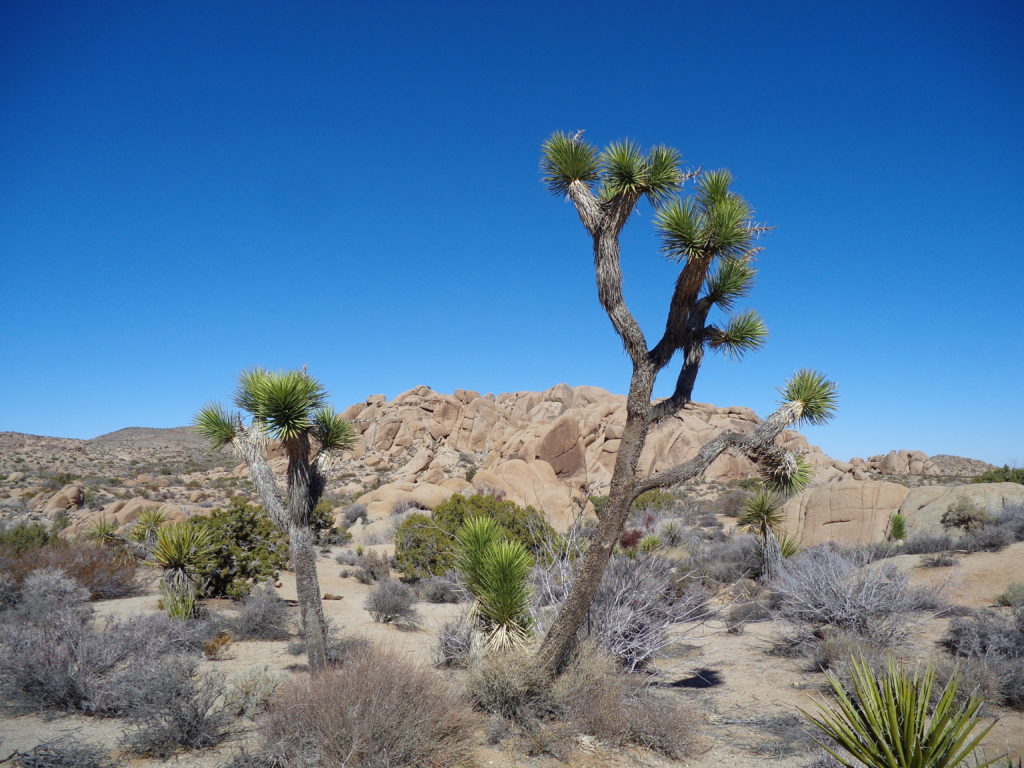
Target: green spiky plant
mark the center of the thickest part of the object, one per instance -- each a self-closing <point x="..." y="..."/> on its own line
<point x="146" y="526"/>
<point x="181" y="550"/>
<point x="897" y="527"/>
<point x="889" y="721"/>
<point x="712" y="235"/>
<point x="290" y="407"/>
<point x="496" y="571"/>
<point x="103" y="531"/>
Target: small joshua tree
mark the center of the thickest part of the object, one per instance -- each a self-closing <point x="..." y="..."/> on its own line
<point x="291" y="407"/>
<point x="712" y="235"/>
<point x="762" y="516"/>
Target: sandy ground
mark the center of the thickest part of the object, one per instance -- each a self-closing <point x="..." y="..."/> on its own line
<point x="744" y="699"/>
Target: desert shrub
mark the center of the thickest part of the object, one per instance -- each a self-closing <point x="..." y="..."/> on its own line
<point x="657" y="500"/>
<point x="454" y="642"/>
<point x="924" y="543"/>
<point x="1012" y="596"/>
<point x="672" y="533"/>
<point x="938" y="560"/>
<point x="348" y="557"/>
<point x="354" y="513"/>
<point x="639" y="599"/>
<point x="511" y="685"/>
<point x="106" y="572"/>
<point x="63" y="753"/>
<point x="263" y="615"/>
<point x="744" y="613"/>
<point x="247" y="549"/>
<point x="1012" y="519"/>
<point x="965" y="515"/>
<point x="988" y="633"/>
<point x="8" y="591"/>
<point x="250" y="693"/>
<point x="898" y="527"/>
<point x="218" y="645"/>
<point x="23" y="536"/>
<point x="719" y="562"/>
<point x="170" y="706"/>
<point x="731" y="504"/>
<point x="374" y="566"/>
<point x="437" y="589"/>
<point x="377" y="709"/>
<point x="990" y="538"/>
<point x="630" y="538"/>
<point x="424" y="545"/>
<point x="67" y="662"/>
<point x="146" y="526"/>
<point x="822" y="588"/>
<point x="47" y="592"/>
<point x="838" y="648"/>
<point x="980" y="677"/>
<point x="392" y="603"/>
<point x="1004" y="474"/>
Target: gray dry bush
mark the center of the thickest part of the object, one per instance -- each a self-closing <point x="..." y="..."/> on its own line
<point x="170" y="706"/>
<point x="46" y="592"/>
<point x="263" y="615"/>
<point x="823" y="589"/>
<point x="593" y="696"/>
<point x="348" y="557"/>
<point x="377" y="709"/>
<point x="68" y="662"/>
<point x="354" y="513"/>
<point x="392" y="602"/>
<point x="994" y="639"/>
<point x="454" y="642"/>
<point x="67" y="752"/>
<point x="439" y="589"/>
<point x="641" y="597"/>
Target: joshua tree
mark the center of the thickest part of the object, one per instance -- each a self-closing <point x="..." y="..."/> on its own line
<point x="762" y="516"/>
<point x="291" y="407"/>
<point x="712" y="235"/>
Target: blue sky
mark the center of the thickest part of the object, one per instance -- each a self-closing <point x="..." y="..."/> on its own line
<point x="191" y="189"/>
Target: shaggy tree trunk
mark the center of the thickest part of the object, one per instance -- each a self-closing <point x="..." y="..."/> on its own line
<point x="771" y="557"/>
<point x="307" y="586"/>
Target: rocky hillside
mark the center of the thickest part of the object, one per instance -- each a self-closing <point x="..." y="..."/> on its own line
<point x="550" y="449"/>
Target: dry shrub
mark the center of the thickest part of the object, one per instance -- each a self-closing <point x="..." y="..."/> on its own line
<point x="107" y="573"/>
<point x="392" y="602"/>
<point x="67" y="752"/>
<point x="217" y="646"/>
<point x="593" y="696"/>
<point x="252" y="691"/>
<point x="263" y="615"/>
<point x="454" y="642"/>
<point x="377" y="709"/>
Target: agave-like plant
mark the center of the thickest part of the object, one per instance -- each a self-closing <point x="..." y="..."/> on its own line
<point x="181" y="604"/>
<point x="181" y="549"/>
<point x="888" y="721"/>
<point x="146" y="526"/>
<point x="496" y="571"/>
<point x="104" y="531"/>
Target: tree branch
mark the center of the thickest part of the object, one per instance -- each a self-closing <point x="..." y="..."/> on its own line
<point x="587" y="206"/>
<point x="758" y="446"/>
<point x="251" y="444"/>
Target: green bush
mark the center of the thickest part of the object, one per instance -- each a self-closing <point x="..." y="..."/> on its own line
<point x="1002" y="475"/>
<point x="898" y="527"/>
<point x="425" y="546"/>
<point x="658" y="500"/>
<point x="24" y="536"/>
<point x="248" y="549"/>
<point x="965" y="515"/>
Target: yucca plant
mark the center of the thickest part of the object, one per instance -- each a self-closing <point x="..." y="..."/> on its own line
<point x="103" y="530"/>
<point x="713" y="236"/>
<point x="181" y="604"/>
<point x="290" y="407"/>
<point x="181" y="550"/>
<point x="496" y="571"/>
<point x="889" y="721"/>
<point x="762" y="516"/>
<point x="146" y="526"/>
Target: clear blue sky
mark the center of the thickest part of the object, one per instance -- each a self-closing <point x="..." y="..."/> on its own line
<point x="190" y="189"/>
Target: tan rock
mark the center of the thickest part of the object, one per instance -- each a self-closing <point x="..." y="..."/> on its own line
<point x="428" y="495"/>
<point x="925" y="506"/>
<point x="851" y="512"/>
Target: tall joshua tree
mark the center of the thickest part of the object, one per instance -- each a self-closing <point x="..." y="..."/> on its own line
<point x="291" y="407"/>
<point x="712" y="235"/>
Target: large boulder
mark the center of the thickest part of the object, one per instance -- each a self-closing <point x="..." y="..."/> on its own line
<point x="850" y="512"/>
<point x="924" y="507"/>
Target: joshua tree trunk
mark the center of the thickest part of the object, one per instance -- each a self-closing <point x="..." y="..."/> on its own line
<point x="771" y="556"/>
<point x="307" y="587"/>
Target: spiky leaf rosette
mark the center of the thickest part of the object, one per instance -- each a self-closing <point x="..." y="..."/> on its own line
<point x="743" y="333"/>
<point x="788" y="473"/>
<point x="732" y="280"/>
<point x="472" y="541"/>
<point x="217" y="424"/>
<point x="332" y="432"/>
<point x="147" y="524"/>
<point x="889" y="720"/>
<point x="814" y="396"/>
<point x="761" y="514"/>
<point x="565" y="159"/>
<point x="504" y="595"/>
<point x="283" y="402"/>
<point x="181" y="550"/>
<point x="102" y="530"/>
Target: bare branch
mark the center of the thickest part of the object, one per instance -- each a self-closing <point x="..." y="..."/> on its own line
<point x="758" y="446"/>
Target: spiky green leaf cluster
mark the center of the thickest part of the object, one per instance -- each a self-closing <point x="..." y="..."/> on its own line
<point x="788" y="478"/>
<point x="743" y="333"/>
<point x="761" y="514"/>
<point x="732" y="280"/>
<point x="889" y="720"/>
<point x="181" y="550"/>
<point x="282" y="401"/>
<point x="715" y="222"/>
<point x="217" y="424"/>
<point x="103" y="530"/>
<point x="333" y="433"/>
<point x="147" y="524"/>
<point x="565" y="159"/>
<point x="814" y="395"/>
<point x="496" y="571"/>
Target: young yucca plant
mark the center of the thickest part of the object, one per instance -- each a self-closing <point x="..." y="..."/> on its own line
<point x="104" y="531"/>
<point x="496" y="571"/>
<point x="179" y="603"/>
<point x="888" y="721"/>
<point x="146" y="526"/>
<point x="181" y="550"/>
